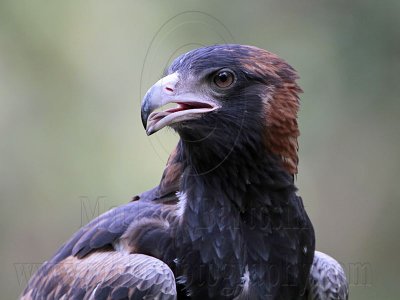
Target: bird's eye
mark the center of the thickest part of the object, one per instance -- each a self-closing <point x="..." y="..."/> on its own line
<point x="224" y="79"/>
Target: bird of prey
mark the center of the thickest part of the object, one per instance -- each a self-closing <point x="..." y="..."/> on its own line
<point x="225" y="222"/>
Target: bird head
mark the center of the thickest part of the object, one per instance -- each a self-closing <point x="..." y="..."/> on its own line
<point x="229" y="95"/>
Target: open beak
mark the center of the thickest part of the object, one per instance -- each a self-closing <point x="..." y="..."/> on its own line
<point x="189" y="105"/>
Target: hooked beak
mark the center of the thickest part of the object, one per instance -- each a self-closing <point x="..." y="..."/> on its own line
<point x="189" y="105"/>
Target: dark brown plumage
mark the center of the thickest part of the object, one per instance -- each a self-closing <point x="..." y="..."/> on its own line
<point x="225" y="221"/>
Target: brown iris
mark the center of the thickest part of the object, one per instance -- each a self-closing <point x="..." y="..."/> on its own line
<point x="224" y="79"/>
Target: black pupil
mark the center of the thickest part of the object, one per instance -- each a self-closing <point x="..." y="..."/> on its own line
<point x="223" y="76"/>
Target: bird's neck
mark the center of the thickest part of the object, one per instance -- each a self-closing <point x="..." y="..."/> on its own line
<point x="233" y="176"/>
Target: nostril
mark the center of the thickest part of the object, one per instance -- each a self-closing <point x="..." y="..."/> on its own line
<point x="169" y="89"/>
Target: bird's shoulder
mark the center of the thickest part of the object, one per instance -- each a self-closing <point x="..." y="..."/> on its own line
<point x="137" y="226"/>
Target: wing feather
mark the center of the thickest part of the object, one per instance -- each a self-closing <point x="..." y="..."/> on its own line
<point x="106" y="275"/>
<point x="327" y="279"/>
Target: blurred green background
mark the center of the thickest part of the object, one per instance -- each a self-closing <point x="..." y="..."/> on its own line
<point x="72" y="75"/>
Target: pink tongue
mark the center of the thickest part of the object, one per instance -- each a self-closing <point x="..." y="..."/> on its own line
<point x="180" y="107"/>
<point x="172" y="110"/>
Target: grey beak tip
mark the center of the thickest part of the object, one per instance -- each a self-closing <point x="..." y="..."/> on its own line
<point x="146" y="107"/>
<point x="149" y="131"/>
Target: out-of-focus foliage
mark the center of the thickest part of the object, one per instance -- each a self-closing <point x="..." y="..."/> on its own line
<point x="71" y="136"/>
